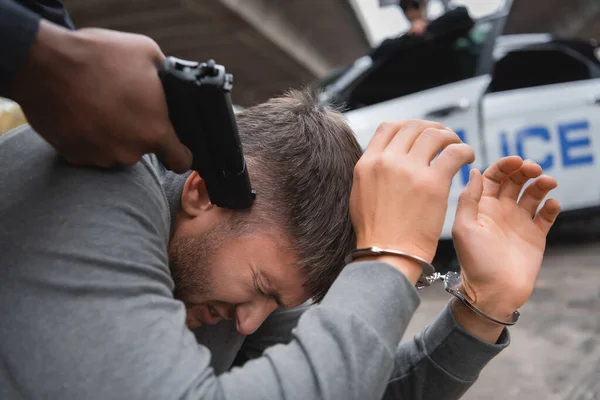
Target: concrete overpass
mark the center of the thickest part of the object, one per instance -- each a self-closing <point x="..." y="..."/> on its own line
<point x="269" y="45"/>
<point x="564" y="18"/>
<point x="273" y="45"/>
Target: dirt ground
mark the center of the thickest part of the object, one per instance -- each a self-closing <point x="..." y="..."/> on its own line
<point x="555" y="348"/>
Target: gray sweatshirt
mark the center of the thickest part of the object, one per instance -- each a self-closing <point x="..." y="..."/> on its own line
<point x="88" y="311"/>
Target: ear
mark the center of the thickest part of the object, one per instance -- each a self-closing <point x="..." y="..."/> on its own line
<point x="194" y="198"/>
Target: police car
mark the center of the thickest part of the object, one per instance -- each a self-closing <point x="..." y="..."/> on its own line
<point x="532" y="95"/>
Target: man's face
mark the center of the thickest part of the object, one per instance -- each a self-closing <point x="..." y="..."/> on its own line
<point x="222" y="274"/>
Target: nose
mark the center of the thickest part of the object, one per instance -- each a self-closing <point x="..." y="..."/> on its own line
<point x="250" y="316"/>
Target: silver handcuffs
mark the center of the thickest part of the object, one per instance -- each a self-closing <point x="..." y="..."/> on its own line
<point x="452" y="280"/>
<point x="427" y="277"/>
<point x="452" y="285"/>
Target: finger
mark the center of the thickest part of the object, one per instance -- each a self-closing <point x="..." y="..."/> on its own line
<point x="89" y="157"/>
<point x="429" y="143"/>
<point x="127" y="156"/>
<point x="382" y="137"/>
<point x="512" y="187"/>
<point x="468" y="201"/>
<point x="496" y="174"/>
<point x="153" y="50"/>
<point x="85" y="153"/>
<point x="73" y="160"/>
<point x="174" y="154"/>
<point x="404" y="140"/>
<point x="453" y="158"/>
<point x="547" y="215"/>
<point x="536" y="192"/>
<point x="88" y="160"/>
<point x="158" y="57"/>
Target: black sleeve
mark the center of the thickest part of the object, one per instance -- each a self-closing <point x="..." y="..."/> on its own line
<point x="19" y="24"/>
<point x="52" y="10"/>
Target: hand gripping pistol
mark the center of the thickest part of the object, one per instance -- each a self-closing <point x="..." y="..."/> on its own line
<point x="199" y="102"/>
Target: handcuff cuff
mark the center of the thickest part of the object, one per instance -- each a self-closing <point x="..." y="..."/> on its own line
<point x="452" y="280"/>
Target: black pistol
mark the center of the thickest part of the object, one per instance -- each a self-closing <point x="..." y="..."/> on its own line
<point x="199" y="101"/>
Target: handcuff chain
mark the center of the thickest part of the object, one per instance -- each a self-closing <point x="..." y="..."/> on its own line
<point x="453" y="282"/>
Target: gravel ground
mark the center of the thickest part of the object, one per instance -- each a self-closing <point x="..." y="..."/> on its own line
<point x="555" y="349"/>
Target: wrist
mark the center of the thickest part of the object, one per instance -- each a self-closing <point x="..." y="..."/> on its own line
<point x="412" y="269"/>
<point x="418" y="269"/>
<point x="490" y="304"/>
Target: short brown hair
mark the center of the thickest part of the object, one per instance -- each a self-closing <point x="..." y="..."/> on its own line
<point x="301" y="158"/>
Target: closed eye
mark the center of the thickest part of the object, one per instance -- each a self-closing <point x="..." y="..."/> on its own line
<point x="258" y="288"/>
<point x="274" y="295"/>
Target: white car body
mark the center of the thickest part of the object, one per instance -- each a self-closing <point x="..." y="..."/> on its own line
<point x="555" y="124"/>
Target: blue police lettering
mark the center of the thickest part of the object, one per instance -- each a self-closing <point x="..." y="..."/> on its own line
<point x="567" y="144"/>
<point x="541" y="135"/>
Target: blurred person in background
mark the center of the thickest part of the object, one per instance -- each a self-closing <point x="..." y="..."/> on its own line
<point x="415" y="12"/>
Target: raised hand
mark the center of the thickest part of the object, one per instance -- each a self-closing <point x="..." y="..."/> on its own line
<point x="399" y="198"/>
<point x="500" y="238"/>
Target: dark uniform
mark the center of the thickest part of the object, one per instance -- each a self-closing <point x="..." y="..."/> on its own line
<point x="19" y="24"/>
<point x="412" y="4"/>
<point x="404" y="4"/>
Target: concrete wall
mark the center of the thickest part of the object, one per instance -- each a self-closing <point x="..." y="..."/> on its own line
<point x="269" y="45"/>
<point x="565" y="18"/>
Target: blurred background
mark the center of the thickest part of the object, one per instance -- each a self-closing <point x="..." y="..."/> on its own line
<point x="273" y="45"/>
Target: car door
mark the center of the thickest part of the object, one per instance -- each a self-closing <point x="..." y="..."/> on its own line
<point x="544" y="104"/>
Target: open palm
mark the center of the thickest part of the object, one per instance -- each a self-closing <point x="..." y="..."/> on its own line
<point x="499" y="237"/>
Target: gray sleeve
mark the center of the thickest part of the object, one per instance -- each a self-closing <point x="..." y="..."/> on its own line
<point x="342" y="348"/>
<point x="441" y="362"/>
<point x="277" y="329"/>
<point x="88" y="311"/>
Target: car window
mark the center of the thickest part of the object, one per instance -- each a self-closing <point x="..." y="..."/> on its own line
<point x="422" y="65"/>
<point x="538" y="66"/>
